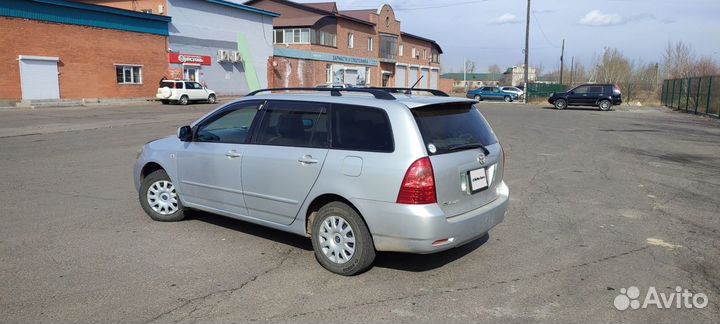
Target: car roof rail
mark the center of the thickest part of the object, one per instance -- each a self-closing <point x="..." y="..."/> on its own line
<point x="335" y="92"/>
<point x="434" y="92"/>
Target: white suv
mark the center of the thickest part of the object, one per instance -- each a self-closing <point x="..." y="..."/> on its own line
<point x="182" y="92"/>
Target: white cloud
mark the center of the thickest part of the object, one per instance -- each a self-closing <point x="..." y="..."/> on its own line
<point x="507" y="18"/>
<point x="597" y="18"/>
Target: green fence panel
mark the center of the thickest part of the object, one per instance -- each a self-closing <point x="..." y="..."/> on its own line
<point x="543" y="91"/>
<point x="699" y="95"/>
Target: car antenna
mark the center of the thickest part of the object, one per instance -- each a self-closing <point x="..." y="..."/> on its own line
<point x="409" y="91"/>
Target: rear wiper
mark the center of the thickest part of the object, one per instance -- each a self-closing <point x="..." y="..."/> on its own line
<point x="469" y="146"/>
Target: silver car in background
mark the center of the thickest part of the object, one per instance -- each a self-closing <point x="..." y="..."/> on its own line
<point x="357" y="171"/>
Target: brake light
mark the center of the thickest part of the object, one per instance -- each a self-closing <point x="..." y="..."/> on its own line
<point x="418" y="186"/>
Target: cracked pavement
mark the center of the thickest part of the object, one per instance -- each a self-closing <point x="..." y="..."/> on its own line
<point x="590" y="192"/>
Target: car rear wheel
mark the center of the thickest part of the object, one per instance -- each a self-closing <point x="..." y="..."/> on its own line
<point x="478" y="98"/>
<point x="211" y="99"/>
<point x="605" y="105"/>
<point x="159" y="199"/>
<point x="183" y="100"/>
<point x="507" y="99"/>
<point x="341" y="240"/>
<point x="560" y="104"/>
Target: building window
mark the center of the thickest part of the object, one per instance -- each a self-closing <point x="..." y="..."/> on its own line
<point x="424" y="54"/>
<point x="414" y="52"/>
<point x="435" y="57"/>
<point x="279" y="36"/>
<point x="388" y="47"/>
<point x="401" y="50"/>
<point x="370" y="44"/>
<point x="128" y="74"/>
<point x="303" y="36"/>
<point x="351" y="40"/>
<point x="328" y="73"/>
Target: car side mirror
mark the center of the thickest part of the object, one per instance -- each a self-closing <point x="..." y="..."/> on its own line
<point x="185" y="133"/>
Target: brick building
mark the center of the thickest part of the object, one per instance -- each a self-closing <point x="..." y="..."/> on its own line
<point x="315" y="43"/>
<point x="63" y="49"/>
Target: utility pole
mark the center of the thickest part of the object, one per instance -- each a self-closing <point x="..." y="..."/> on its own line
<point x="527" y="47"/>
<point x="572" y="70"/>
<point x="562" y="64"/>
<point x="465" y="73"/>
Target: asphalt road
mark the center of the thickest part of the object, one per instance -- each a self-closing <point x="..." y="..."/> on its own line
<point x="600" y="201"/>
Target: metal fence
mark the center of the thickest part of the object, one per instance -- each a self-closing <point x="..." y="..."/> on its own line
<point x="700" y="95"/>
<point x="543" y="91"/>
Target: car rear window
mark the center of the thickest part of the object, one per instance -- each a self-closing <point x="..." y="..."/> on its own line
<point x="361" y="129"/>
<point x="445" y="126"/>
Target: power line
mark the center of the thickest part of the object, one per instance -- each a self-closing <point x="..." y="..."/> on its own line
<point x="537" y="23"/>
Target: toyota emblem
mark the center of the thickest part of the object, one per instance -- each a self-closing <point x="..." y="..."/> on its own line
<point x="481" y="158"/>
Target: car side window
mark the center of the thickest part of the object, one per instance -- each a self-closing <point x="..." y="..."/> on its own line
<point x="595" y="89"/>
<point x="197" y="85"/>
<point x="189" y="85"/>
<point x="294" y="123"/>
<point x="581" y="90"/>
<point x="230" y="126"/>
<point x="361" y="128"/>
<point x="179" y="85"/>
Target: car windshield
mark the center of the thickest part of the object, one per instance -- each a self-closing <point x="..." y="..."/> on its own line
<point x="448" y="127"/>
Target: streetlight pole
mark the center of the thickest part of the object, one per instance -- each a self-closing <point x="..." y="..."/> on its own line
<point x="527" y="47"/>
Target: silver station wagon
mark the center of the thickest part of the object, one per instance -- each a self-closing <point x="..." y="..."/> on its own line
<point x="357" y="170"/>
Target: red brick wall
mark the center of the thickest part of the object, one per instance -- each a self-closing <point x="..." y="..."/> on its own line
<point x="446" y="85"/>
<point x="133" y="5"/>
<point x="87" y="57"/>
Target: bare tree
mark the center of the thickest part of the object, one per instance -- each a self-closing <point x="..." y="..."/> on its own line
<point x="678" y="60"/>
<point x="495" y="69"/>
<point x="470" y="66"/>
<point x="704" y="66"/>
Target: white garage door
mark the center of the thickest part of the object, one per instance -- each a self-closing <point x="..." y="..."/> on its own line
<point x="434" y="79"/>
<point x="400" y="74"/>
<point x="413" y="77"/>
<point x="425" y="77"/>
<point x="39" y="77"/>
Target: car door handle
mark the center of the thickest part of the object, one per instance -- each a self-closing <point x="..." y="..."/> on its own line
<point x="307" y="159"/>
<point x="233" y="154"/>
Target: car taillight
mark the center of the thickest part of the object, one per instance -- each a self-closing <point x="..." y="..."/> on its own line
<point x="418" y="186"/>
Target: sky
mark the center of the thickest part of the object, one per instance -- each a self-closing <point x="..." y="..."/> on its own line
<point x="493" y="31"/>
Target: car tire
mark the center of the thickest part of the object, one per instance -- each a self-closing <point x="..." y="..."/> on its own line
<point x="507" y="99"/>
<point x="211" y="99"/>
<point x="478" y="98"/>
<point x="165" y="102"/>
<point x="604" y="105"/>
<point x="159" y="199"/>
<point x="341" y="240"/>
<point x="183" y="100"/>
<point x="560" y="104"/>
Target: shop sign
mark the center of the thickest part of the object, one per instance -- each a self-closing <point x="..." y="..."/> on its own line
<point x="189" y="58"/>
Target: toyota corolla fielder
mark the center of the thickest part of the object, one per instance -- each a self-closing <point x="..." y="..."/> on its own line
<point x="358" y="171"/>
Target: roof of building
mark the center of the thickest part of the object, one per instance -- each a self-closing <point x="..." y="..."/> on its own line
<point x="83" y="14"/>
<point x="362" y="14"/>
<point x="473" y="76"/>
<point x="327" y="6"/>
<point x="322" y="8"/>
<point x="245" y="7"/>
<point x="404" y="34"/>
<point x="330" y="9"/>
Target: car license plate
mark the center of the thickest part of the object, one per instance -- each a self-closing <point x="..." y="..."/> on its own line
<point x="478" y="180"/>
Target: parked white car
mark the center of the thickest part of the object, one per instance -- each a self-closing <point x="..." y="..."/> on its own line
<point x="182" y="92"/>
<point x="514" y="90"/>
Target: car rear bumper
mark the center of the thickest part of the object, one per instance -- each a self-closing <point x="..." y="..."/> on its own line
<point x="414" y="228"/>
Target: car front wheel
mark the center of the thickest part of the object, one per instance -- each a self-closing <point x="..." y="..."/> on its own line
<point x="159" y="199"/>
<point x="478" y="98"/>
<point x="211" y="99"/>
<point x="508" y="99"/>
<point x="341" y="240"/>
<point x="560" y="104"/>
